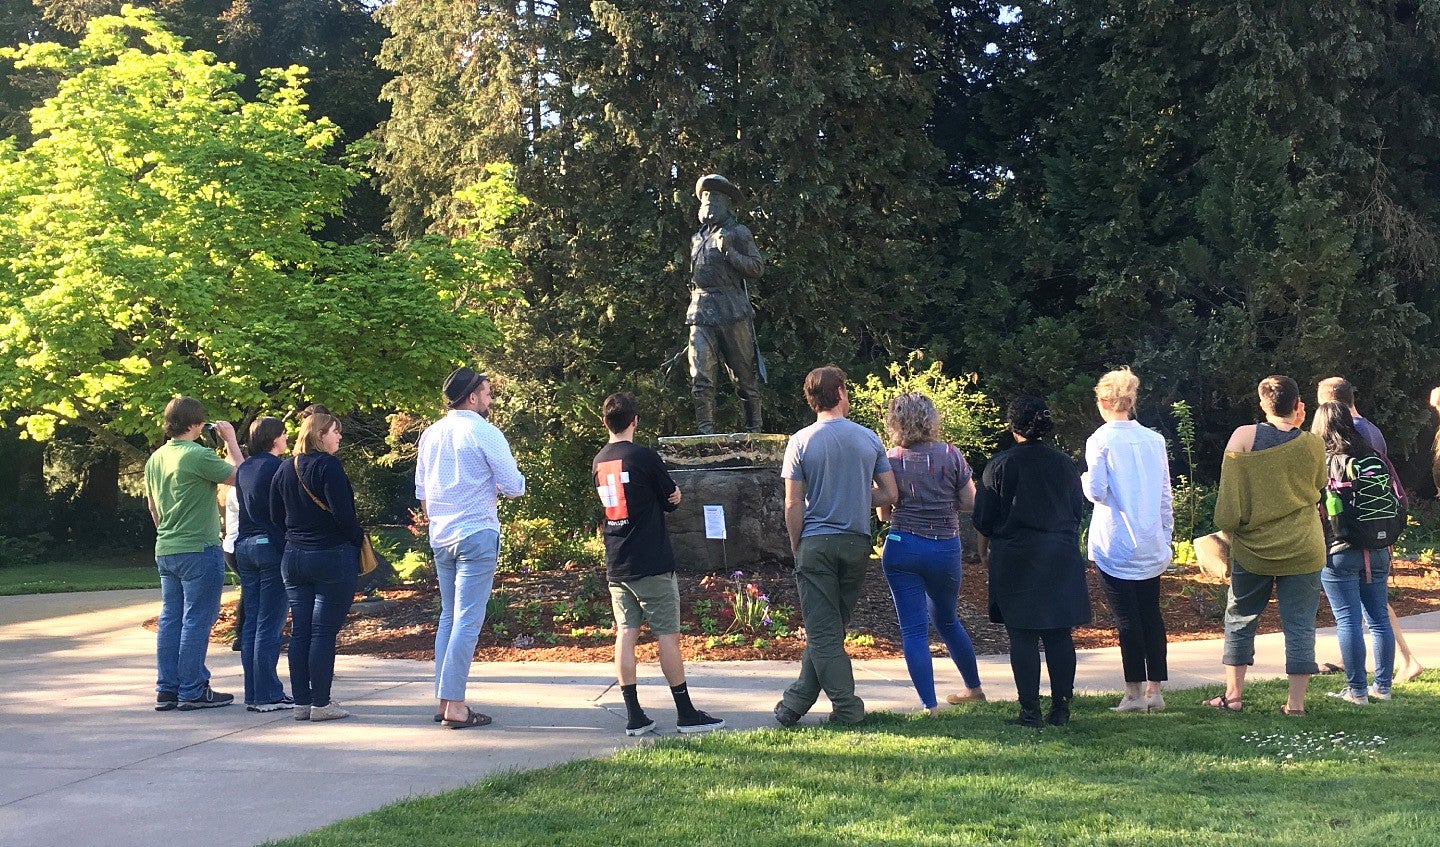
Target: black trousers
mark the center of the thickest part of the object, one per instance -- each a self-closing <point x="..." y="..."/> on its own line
<point x="1135" y="603"/>
<point x="1059" y="661"/>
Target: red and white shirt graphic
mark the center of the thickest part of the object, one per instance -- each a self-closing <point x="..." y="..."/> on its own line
<point x="610" y="479"/>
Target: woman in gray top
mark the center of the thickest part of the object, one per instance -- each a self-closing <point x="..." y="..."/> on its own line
<point x="922" y="549"/>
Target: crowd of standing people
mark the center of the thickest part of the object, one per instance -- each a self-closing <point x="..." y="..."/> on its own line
<point x="294" y="540"/>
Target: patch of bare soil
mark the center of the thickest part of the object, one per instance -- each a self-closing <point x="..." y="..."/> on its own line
<point x="564" y="615"/>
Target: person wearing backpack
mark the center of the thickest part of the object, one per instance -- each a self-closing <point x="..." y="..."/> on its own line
<point x="1361" y="513"/>
<point x="1339" y="390"/>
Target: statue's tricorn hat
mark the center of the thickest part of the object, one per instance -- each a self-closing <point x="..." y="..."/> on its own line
<point x="716" y="182"/>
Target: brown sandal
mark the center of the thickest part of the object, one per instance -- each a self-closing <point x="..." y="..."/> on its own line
<point x="1224" y="704"/>
<point x="1291" y="713"/>
<point x="472" y="718"/>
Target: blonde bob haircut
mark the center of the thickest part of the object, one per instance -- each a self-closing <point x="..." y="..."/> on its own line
<point x="912" y="419"/>
<point x="1118" y="389"/>
<point x="311" y="428"/>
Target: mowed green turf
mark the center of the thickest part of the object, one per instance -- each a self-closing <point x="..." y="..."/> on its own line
<point x="1344" y="775"/>
<point x="102" y="573"/>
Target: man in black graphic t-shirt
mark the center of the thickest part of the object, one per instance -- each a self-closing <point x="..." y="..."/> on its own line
<point x="636" y="491"/>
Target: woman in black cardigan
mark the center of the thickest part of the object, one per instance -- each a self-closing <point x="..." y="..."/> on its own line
<point x="1029" y="506"/>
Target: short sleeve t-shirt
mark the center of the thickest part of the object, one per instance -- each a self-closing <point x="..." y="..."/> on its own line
<point x="180" y="479"/>
<point x="836" y="459"/>
<point x="929" y="478"/>
<point x="635" y="489"/>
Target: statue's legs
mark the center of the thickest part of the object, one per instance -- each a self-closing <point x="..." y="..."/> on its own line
<point x="704" y="369"/>
<point x="737" y="345"/>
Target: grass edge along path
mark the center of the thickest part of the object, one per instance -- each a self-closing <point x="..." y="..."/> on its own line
<point x="1189" y="776"/>
<point x="96" y="573"/>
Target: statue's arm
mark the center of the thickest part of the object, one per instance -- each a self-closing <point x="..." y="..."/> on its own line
<point x="742" y="254"/>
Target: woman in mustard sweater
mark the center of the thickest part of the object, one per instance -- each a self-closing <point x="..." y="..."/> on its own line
<point x="1270" y="484"/>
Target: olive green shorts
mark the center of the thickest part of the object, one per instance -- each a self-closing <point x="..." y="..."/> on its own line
<point x="652" y="598"/>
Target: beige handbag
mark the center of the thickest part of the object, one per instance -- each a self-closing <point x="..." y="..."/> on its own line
<point x="1212" y="552"/>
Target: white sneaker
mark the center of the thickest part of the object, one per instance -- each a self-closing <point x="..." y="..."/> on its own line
<point x="1349" y="697"/>
<point x="331" y="712"/>
<point x="1377" y="694"/>
<point x="302" y="713"/>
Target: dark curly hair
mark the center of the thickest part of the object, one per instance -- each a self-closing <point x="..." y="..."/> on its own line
<point x="1030" y="417"/>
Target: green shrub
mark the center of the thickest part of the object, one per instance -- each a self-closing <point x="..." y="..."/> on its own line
<point x="968" y="418"/>
<point x="537" y="544"/>
<point x="26" y="550"/>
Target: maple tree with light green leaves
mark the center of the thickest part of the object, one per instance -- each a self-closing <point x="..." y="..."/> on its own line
<point x="159" y="238"/>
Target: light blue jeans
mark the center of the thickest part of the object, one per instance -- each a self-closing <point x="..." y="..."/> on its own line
<point x="262" y="590"/>
<point x="1351" y="599"/>
<point x="190" y="585"/>
<point x="467" y="572"/>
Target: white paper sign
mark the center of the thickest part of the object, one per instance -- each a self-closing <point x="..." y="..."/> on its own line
<point x="715" y="522"/>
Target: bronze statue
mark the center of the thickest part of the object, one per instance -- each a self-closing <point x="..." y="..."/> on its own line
<point x="721" y="320"/>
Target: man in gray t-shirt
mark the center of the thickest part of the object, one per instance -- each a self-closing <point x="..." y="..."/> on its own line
<point x="835" y="473"/>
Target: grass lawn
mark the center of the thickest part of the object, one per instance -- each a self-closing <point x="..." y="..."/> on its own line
<point x="97" y="573"/>
<point x="1343" y="775"/>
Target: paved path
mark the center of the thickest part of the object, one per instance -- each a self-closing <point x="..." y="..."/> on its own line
<point x="85" y="760"/>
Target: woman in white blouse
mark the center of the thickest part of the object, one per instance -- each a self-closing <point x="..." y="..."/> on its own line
<point x="1129" y="483"/>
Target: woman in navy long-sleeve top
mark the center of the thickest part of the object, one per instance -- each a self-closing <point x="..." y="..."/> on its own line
<point x="311" y="498"/>
<point x="259" y="544"/>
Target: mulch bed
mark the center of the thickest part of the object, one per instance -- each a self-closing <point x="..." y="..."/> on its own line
<point x="564" y="616"/>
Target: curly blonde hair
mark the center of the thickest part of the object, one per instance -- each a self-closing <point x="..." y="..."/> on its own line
<point x="1118" y="389"/>
<point x="912" y="419"/>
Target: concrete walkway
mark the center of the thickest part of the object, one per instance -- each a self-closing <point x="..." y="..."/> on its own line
<point x="85" y="760"/>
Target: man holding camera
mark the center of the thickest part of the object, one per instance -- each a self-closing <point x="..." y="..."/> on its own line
<point x="180" y="482"/>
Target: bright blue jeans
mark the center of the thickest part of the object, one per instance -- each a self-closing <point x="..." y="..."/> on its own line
<point x="262" y="591"/>
<point x="467" y="572"/>
<point x="190" y="585"/>
<point x="1353" y="599"/>
<point x="321" y="587"/>
<point x="924" y="577"/>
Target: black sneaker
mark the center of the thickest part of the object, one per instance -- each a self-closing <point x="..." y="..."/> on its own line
<point x="208" y="699"/>
<point x="639" y="726"/>
<point x="786" y="716"/>
<point x="165" y="700"/>
<point x="700" y="722"/>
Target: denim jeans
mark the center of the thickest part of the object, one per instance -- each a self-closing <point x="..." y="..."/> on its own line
<point x="1298" y="598"/>
<point x="1135" y="604"/>
<point x="924" y="578"/>
<point x="1351" y="599"/>
<point x="321" y="587"/>
<point x="262" y="590"/>
<point x="466" y="571"/>
<point x="190" y="585"/>
<point x="829" y="571"/>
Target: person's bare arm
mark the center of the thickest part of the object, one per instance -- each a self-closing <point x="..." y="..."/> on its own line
<point x="967" y="496"/>
<point x="154" y="513"/>
<point x="884" y="512"/>
<point x="794" y="511"/>
<point x="1242" y="440"/>
<point x="885" y="492"/>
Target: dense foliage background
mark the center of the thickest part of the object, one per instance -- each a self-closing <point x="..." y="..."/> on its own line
<point x="1032" y="192"/>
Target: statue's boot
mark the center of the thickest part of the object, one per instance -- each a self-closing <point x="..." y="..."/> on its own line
<point x="754" y="421"/>
<point x="705" y="415"/>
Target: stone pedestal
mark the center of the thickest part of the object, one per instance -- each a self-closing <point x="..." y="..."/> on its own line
<point x="740" y="472"/>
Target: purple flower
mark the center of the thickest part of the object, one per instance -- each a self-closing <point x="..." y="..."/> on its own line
<point x="766" y="621"/>
<point x="763" y="599"/>
<point x="738" y="575"/>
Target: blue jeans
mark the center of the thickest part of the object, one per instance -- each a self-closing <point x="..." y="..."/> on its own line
<point x="1351" y="599"/>
<point x="190" y="585"/>
<point x="262" y="591"/>
<point x="467" y="572"/>
<point x="1298" y="599"/>
<point x="321" y="587"/>
<point x="924" y="577"/>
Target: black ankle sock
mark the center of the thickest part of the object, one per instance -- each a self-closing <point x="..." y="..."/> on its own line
<point x="683" y="706"/>
<point x="632" y="705"/>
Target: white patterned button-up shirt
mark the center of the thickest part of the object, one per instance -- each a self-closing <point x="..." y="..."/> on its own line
<point x="464" y="464"/>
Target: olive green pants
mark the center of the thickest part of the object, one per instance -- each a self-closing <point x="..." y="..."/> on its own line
<point x="829" y="570"/>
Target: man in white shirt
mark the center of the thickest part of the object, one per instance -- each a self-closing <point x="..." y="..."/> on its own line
<point x="463" y="467"/>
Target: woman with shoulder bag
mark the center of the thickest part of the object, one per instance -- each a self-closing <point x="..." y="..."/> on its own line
<point x="311" y="498"/>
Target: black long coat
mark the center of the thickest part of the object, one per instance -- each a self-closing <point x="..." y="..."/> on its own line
<point x="1030" y="506"/>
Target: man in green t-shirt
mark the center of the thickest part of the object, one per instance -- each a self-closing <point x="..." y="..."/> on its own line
<point x="180" y="482"/>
